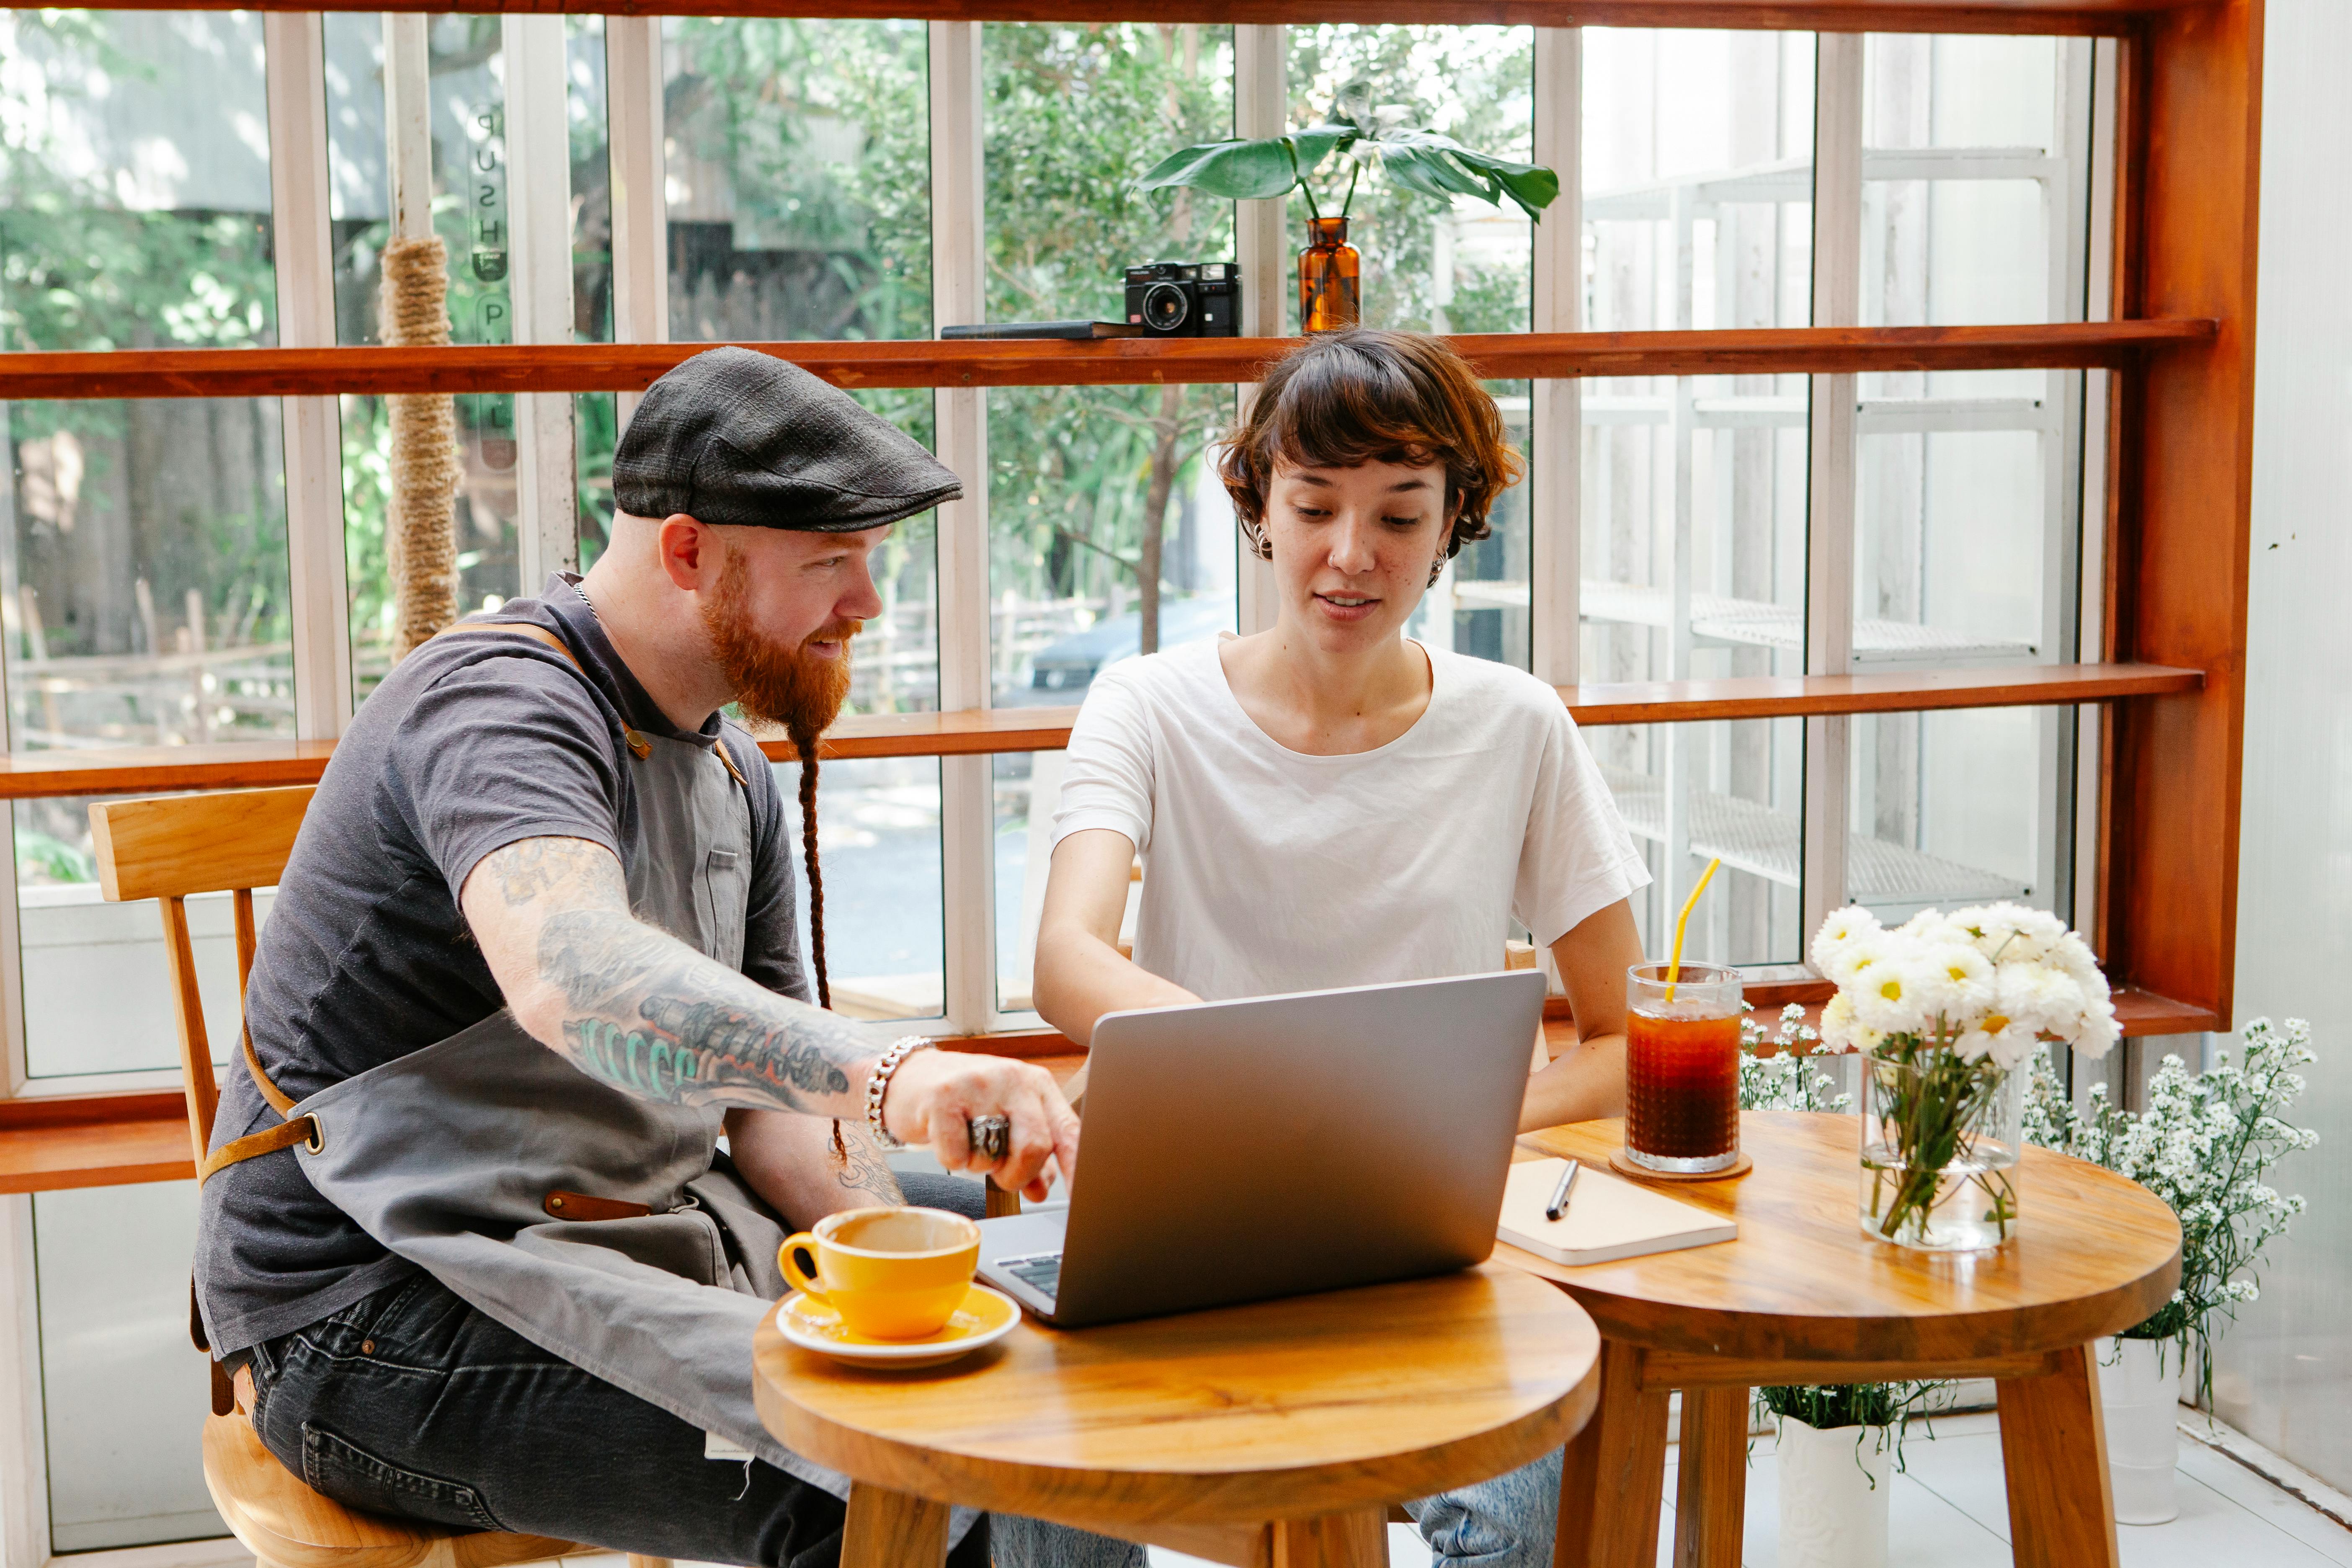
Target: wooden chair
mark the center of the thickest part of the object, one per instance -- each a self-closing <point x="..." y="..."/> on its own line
<point x="233" y="842"/>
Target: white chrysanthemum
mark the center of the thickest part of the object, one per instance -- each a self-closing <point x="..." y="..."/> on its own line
<point x="1892" y="997"/>
<point x="1852" y="966"/>
<point x="2042" y="1000"/>
<point x="1841" y="1030"/>
<point x="1954" y="981"/>
<point x="1841" y="931"/>
<point x="2004" y="1039"/>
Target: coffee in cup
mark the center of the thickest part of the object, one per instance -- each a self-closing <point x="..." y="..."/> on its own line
<point x="891" y="1273"/>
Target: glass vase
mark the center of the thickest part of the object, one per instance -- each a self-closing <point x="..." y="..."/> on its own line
<point x="1328" y="270"/>
<point x="1940" y="1137"/>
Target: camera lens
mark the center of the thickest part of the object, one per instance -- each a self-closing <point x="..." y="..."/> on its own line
<point x="1165" y="307"/>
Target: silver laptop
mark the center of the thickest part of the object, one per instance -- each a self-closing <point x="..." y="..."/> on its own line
<point x="1238" y="1151"/>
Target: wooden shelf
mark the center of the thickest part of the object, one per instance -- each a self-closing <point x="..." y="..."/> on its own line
<point x="158" y="770"/>
<point x="2065" y="17"/>
<point x="92" y="1141"/>
<point x="1111" y="362"/>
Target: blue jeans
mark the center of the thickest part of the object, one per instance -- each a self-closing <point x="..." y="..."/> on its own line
<point x="1507" y="1523"/>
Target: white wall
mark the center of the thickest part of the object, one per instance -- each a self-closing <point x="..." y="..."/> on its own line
<point x="2285" y="1372"/>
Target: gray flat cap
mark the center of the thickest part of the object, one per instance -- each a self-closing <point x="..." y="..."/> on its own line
<point x="737" y="438"/>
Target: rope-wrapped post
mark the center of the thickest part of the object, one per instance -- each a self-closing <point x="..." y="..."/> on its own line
<point x="420" y="530"/>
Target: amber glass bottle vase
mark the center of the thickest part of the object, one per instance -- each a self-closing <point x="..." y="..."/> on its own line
<point x="1327" y="277"/>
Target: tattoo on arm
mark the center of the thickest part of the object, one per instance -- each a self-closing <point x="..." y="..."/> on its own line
<point x="864" y="1170"/>
<point x="654" y="1018"/>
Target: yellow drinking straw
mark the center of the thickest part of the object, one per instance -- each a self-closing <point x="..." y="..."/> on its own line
<point x="1675" y="965"/>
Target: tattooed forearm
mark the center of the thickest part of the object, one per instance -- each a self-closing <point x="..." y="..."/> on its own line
<point x="651" y="1016"/>
<point x="637" y="1008"/>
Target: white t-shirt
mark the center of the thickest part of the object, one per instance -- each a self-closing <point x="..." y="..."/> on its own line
<point x="1267" y="871"/>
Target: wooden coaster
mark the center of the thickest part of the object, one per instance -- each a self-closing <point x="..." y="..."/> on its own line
<point x="1732" y="1172"/>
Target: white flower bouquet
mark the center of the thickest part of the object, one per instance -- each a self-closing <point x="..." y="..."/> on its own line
<point x="1945" y="1008"/>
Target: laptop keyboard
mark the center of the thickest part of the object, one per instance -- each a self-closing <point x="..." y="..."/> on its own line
<point x="1041" y="1272"/>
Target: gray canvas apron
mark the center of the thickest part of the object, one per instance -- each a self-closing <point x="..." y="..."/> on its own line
<point x="459" y="1156"/>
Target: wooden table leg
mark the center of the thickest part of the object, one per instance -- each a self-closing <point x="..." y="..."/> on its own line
<point x="1711" y="1492"/>
<point x="1357" y="1539"/>
<point x="891" y="1530"/>
<point x="1615" y="1474"/>
<point x="2054" y="1451"/>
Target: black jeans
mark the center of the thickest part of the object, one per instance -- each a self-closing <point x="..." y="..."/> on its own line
<point x="409" y="1402"/>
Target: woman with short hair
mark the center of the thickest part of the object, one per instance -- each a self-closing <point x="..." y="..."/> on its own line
<point x="1331" y="802"/>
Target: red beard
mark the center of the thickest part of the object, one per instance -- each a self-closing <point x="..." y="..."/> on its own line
<point x="789" y="686"/>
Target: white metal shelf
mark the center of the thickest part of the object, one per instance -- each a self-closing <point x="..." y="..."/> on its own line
<point x="1751" y="836"/>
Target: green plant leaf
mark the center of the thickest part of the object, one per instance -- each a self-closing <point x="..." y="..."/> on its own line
<point x="1316" y="142"/>
<point x="1235" y="170"/>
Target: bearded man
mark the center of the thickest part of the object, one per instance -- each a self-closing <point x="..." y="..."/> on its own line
<point x="467" y="1239"/>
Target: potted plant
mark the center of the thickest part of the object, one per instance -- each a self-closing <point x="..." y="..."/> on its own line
<point x="1944" y="1010"/>
<point x="1838" y="1442"/>
<point x="1357" y="136"/>
<point x="2202" y="1145"/>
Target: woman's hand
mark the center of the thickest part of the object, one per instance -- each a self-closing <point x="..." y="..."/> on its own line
<point x="935" y="1096"/>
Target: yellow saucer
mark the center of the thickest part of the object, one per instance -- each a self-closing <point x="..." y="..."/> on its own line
<point x="985" y="1318"/>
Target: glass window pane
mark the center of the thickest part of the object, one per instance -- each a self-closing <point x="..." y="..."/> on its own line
<point x="1733" y="789"/>
<point x="1954" y="808"/>
<point x="134" y="181"/>
<point x="1662" y="455"/>
<point x="1968" y="197"/>
<point x="878" y="843"/>
<point x="144" y="584"/>
<point x="1698" y="180"/>
<point x="96" y="984"/>
<point x="1959" y="525"/>
<point x="1428" y="265"/>
<point x="798" y="174"/>
<point x="123" y="1394"/>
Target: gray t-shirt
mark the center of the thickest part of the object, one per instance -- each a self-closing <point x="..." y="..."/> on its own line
<point x="471" y="743"/>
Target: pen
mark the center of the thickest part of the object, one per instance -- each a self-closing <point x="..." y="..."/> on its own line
<point x="1559" y="1205"/>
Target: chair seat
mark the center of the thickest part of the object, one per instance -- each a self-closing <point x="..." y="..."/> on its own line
<point x="285" y="1523"/>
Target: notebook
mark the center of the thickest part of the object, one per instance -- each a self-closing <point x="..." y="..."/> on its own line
<point x="1608" y="1218"/>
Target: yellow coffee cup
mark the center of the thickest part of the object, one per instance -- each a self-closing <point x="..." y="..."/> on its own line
<point x="891" y="1273"/>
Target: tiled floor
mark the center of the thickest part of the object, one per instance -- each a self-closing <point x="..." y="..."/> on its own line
<point x="1948" y="1512"/>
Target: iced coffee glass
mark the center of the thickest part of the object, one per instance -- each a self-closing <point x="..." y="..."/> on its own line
<point x="1682" y="1068"/>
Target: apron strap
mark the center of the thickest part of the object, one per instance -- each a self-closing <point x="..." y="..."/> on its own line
<point x="302" y="1130"/>
<point x="639" y="747"/>
<point x="285" y="1135"/>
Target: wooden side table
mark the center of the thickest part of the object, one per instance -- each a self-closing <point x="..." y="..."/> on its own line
<point x="1272" y="1436"/>
<point x="1804" y="1297"/>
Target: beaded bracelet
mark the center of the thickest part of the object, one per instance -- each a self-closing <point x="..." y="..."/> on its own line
<point x="878" y="1084"/>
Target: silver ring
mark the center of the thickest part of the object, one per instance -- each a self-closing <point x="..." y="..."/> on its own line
<point x="991" y="1136"/>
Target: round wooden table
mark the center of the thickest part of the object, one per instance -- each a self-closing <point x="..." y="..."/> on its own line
<point x="1804" y="1297"/>
<point x="1274" y="1433"/>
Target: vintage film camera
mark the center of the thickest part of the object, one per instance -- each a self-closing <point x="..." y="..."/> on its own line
<point x="1185" y="298"/>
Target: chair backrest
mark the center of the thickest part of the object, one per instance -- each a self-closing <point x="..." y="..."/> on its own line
<point x="167" y="848"/>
